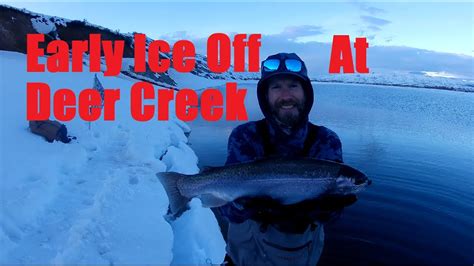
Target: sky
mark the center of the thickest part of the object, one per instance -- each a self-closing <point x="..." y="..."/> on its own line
<point x="402" y="36"/>
<point x="441" y="27"/>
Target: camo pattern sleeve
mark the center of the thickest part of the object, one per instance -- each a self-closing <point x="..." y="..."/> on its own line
<point x="241" y="146"/>
<point x="327" y="146"/>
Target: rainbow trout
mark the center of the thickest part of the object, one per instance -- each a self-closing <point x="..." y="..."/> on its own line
<point x="287" y="181"/>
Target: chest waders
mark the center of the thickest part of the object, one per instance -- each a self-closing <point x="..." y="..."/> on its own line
<point x="261" y="243"/>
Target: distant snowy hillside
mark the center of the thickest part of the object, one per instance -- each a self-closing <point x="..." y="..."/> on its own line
<point x="16" y="24"/>
<point x="96" y="200"/>
<point x="430" y="80"/>
<point x="417" y="67"/>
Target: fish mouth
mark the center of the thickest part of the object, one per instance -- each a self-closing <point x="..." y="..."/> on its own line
<point x="290" y="249"/>
<point x="353" y="175"/>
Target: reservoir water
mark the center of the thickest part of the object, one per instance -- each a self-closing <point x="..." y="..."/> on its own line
<point x="417" y="145"/>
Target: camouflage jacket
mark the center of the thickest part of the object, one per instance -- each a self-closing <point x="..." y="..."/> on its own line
<point x="246" y="144"/>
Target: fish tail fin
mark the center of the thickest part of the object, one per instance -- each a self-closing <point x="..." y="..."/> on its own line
<point x="178" y="202"/>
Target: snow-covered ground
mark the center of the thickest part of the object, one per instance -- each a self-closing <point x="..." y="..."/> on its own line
<point x="96" y="200"/>
<point x="420" y="79"/>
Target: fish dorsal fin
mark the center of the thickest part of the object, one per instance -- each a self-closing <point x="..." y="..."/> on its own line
<point x="207" y="168"/>
<point x="211" y="201"/>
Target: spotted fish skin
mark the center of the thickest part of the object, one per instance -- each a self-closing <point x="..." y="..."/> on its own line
<point x="288" y="181"/>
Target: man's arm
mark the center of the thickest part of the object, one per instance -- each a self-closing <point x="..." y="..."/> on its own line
<point x="328" y="146"/>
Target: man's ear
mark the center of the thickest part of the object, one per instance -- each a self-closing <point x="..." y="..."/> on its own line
<point x="265" y="91"/>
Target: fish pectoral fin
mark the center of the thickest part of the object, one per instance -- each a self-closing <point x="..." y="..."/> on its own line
<point x="210" y="201"/>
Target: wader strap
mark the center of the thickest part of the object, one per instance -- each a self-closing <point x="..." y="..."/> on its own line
<point x="262" y="130"/>
<point x="310" y="139"/>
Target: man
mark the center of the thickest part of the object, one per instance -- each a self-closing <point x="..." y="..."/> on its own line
<point x="285" y="96"/>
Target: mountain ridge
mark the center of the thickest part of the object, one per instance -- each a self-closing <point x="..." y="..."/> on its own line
<point x="17" y="23"/>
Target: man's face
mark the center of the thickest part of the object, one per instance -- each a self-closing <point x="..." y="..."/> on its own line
<point x="286" y="99"/>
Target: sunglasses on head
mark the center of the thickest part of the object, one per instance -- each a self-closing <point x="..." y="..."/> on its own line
<point x="292" y="65"/>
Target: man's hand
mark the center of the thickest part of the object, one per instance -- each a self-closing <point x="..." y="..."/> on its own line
<point x="289" y="218"/>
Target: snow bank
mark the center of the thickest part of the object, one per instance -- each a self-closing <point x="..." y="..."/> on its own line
<point x="43" y="25"/>
<point x="96" y="200"/>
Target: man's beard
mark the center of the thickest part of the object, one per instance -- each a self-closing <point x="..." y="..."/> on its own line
<point x="290" y="117"/>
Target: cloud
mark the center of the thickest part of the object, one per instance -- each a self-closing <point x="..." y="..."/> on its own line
<point x="374" y="10"/>
<point x="374" y="28"/>
<point x="392" y="58"/>
<point x="317" y="54"/>
<point x="374" y="24"/>
<point x="374" y="21"/>
<point x="176" y="36"/>
<point x="369" y="9"/>
<point x="294" y="32"/>
<point x="367" y="33"/>
<point x="371" y="37"/>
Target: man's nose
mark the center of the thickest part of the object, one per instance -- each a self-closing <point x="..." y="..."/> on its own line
<point x="286" y="92"/>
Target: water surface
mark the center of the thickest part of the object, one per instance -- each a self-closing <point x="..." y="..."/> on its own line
<point x="417" y="147"/>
